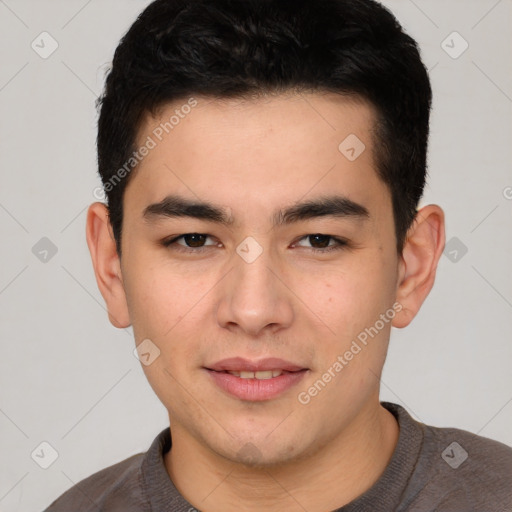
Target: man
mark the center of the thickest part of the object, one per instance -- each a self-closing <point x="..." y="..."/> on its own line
<point x="263" y="162"/>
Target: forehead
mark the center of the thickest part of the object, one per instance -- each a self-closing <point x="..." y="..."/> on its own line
<point x="263" y="150"/>
<point x="261" y="120"/>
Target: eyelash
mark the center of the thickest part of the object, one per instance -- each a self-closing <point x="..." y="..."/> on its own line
<point x="340" y="244"/>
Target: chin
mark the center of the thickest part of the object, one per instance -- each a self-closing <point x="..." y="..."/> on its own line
<point x="263" y="451"/>
<point x="251" y="456"/>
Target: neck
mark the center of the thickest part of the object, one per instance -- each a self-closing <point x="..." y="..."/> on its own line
<point x="333" y="476"/>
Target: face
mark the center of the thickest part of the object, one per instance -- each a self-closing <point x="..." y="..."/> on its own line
<point x="261" y="280"/>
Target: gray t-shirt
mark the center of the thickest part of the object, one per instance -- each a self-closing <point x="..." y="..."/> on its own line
<point x="431" y="470"/>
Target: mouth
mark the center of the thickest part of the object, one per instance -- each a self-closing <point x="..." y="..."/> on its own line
<point x="261" y="375"/>
<point x="255" y="380"/>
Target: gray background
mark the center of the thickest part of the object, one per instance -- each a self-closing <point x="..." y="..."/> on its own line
<point x="69" y="378"/>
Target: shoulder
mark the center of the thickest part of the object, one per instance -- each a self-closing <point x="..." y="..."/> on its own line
<point x="117" y="487"/>
<point x="463" y="467"/>
<point x="471" y="453"/>
<point x="449" y="469"/>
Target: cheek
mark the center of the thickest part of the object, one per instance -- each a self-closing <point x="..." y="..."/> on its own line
<point x="357" y="289"/>
<point x="166" y="309"/>
<point x="152" y="302"/>
<point x="350" y="300"/>
<point x="159" y="297"/>
<point x="170" y="310"/>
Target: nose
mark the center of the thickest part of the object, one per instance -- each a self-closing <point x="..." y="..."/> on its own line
<point x="254" y="297"/>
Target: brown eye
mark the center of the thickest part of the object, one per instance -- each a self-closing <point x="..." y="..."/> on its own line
<point x="320" y="240"/>
<point x="189" y="241"/>
<point x="322" y="243"/>
<point x="194" y="239"/>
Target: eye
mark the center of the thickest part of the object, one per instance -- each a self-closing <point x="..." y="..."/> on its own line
<point x="189" y="242"/>
<point x="323" y="241"/>
<point x="196" y="243"/>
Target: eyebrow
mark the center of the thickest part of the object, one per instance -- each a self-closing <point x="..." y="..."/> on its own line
<point x="174" y="206"/>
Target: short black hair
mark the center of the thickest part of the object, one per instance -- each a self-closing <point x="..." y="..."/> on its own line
<point x="241" y="48"/>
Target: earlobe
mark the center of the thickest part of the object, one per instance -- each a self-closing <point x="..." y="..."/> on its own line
<point x="420" y="256"/>
<point x="106" y="263"/>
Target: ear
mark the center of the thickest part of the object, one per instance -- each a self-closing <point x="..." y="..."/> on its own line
<point x="418" y="262"/>
<point x="106" y="263"/>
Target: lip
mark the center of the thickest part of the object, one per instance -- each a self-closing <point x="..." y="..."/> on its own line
<point x="255" y="390"/>
<point x="234" y="364"/>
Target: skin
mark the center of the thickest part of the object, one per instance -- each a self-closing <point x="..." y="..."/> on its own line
<point x="254" y="157"/>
